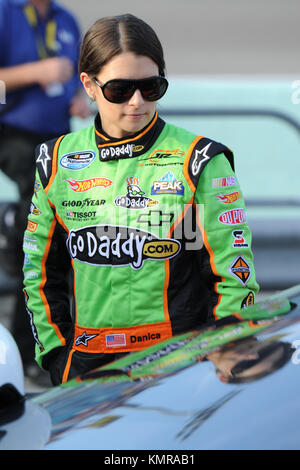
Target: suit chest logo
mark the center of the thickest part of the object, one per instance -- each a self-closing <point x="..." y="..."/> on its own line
<point x="77" y="160"/>
<point x="108" y="245"/>
<point x="135" y="197"/>
<point x="167" y="184"/>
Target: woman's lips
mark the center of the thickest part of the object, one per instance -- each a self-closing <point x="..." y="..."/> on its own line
<point x="135" y="116"/>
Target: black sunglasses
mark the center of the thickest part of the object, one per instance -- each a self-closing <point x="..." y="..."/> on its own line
<point x="121" y="90"/>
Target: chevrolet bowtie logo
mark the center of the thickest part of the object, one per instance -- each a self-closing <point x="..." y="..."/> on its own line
<point x="155" y="218"/>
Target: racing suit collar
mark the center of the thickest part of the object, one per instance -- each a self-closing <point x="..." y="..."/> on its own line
<point x="133" y="146"/>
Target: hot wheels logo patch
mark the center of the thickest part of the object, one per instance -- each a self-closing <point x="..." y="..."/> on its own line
<point x="85" y="185"/>
<point x="229" y="198"/>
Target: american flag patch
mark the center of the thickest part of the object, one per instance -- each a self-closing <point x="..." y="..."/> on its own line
<point x="116" y="340"/>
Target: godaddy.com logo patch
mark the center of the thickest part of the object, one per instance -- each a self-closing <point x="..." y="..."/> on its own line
<point x="108" y="245"/>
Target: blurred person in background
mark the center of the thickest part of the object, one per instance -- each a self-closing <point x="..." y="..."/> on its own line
<point x="38" y="65"/>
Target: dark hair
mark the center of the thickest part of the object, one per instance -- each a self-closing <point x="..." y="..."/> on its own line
<point x="113" y="35"/>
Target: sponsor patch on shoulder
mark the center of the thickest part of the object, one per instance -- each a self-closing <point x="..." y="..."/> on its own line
<point x="31" y="226"/>
<point x="224" y="181"/>
<point x="240" y="269"/>
<point x="33" y="210"/>
<point x="229" y="198"/>
<point x="233" y="217"/>
<point x="248" y="300"/>
<point x="239" y="239"/>
<point x="37" y="187"/>
<point x="77" y="160"/>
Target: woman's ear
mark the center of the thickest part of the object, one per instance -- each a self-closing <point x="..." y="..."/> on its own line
<point x="88" y="84"/>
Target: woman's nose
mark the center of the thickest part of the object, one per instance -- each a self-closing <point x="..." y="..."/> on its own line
<point x="136" y="99"/>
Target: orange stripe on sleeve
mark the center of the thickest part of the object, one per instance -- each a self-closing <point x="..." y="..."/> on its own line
<point x="187" y="161"/>
<point x="211" y="260"/>
<point x="68" y="365"/>
<point x="167" y="262"/>
<point x="58" y="218"/>
<point x="54" y="163"/>
<point x="44" y="280"/>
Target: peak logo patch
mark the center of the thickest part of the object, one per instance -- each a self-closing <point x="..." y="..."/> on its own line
<point x="167" y="184"/>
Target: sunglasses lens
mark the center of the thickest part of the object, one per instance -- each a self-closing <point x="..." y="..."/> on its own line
<point x="154" y="88"/>
<point x="120" y="91"/>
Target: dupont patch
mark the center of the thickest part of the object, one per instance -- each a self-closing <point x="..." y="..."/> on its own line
<point x="248" y="300"/>
<point x="233" y="217"/>
<point x="240" y="269"/>
<point x="77" y="160"/>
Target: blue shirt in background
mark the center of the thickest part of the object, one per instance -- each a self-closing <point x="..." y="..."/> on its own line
<point x="33" y="108"/>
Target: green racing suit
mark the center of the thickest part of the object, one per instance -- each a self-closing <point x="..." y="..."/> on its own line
<point x="130" y="242"/>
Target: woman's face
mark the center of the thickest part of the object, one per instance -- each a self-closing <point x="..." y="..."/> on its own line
<point x="121" y="120"/>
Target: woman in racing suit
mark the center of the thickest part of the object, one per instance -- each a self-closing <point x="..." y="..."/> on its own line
<point x="137" y="229"/>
